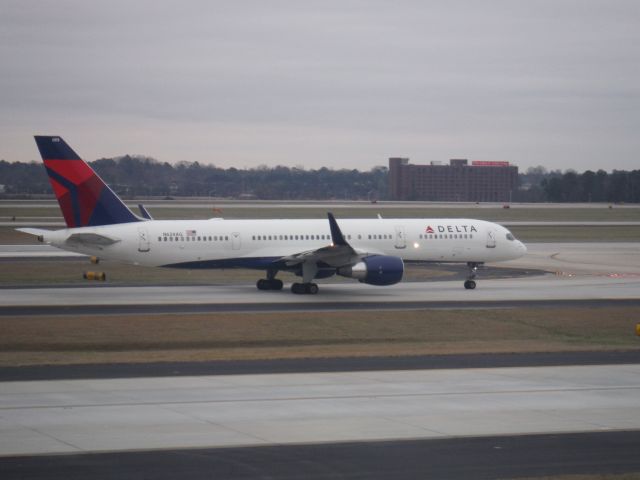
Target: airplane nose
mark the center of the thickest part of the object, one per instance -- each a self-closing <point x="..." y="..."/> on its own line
<point x="523" y="248"/>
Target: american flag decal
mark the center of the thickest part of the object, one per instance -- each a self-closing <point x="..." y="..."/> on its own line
<point x="191" y="233"/>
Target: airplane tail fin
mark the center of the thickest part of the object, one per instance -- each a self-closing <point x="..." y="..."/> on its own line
<point x="85" y="200"/>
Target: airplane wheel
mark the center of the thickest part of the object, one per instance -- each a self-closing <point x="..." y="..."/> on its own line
<point x="469" y="284"/>
<point x="266" y="284"/>
<point x="302" y="288"/>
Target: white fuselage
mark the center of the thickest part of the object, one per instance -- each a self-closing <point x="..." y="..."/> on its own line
<point x="218" y="243"/>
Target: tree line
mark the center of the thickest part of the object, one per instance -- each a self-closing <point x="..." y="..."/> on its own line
<point x="539" y="185"/>
<point x="133" y="176"/>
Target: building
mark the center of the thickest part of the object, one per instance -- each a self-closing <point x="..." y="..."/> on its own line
<point x="456" y="182"/>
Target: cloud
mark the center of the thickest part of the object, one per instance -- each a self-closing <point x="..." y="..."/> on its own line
<point x="332" y="83"/>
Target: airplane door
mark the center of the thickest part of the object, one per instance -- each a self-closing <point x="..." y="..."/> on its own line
<point x="143" y="240"/>
<point x="401" y="241"/>
<point x="491" y="239"/>
<point x="235" y="241"/>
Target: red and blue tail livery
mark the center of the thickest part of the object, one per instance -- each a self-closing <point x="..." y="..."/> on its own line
<point x="85" y="200"/>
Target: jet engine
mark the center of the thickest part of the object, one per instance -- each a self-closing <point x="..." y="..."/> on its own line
<point x="375" y="270"/>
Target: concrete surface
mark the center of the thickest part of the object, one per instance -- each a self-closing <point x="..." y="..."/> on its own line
<point x="149" y="413"/>
<point x="581" y="271"/>
<point x="543" y="288"/>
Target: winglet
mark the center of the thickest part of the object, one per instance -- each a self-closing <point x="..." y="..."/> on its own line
<point x="336" y="235"/>
<point x="144" y="212"/>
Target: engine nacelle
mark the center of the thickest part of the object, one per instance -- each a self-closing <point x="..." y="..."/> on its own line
<point x="376" y="270"/>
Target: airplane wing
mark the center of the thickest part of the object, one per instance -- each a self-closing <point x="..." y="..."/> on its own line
<point x="338" y="254"/>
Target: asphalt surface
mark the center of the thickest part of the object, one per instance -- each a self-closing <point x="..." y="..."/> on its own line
<point x="314" y="365"/>
<point x="475" y="458"/>
<point x="151" y="309"/>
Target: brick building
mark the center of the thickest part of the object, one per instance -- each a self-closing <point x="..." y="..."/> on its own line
<point x="456" y="182"/>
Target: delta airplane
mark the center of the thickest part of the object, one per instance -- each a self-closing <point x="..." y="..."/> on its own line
<point x="372" y="251"/>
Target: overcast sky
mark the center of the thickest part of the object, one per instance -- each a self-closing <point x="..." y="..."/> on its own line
<point x="342" y="84"/>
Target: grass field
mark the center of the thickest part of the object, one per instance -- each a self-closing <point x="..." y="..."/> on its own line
<point x="515" y="213"/>
<point x="231" y="336"/>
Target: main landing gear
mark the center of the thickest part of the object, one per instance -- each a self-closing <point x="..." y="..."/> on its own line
<point x="269" y="283"/>
<point x="470" y="283"/>
<point x="309" y="271"/>
<point x="304" y="288"/>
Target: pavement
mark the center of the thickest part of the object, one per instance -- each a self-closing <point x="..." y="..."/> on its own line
<point x="79" y="416"/>
<point x="477" y="458"/>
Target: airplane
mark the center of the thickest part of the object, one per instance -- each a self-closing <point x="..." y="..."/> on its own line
<point x="372" y="251"/>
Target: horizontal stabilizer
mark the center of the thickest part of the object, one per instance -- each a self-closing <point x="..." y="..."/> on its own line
<point x="94" y="239"/>
<point x="34" y="231"/>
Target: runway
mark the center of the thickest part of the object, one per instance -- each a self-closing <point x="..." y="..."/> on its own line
<point x="545" y="289"/>
<point x="250" y="410"/>
<point x="478" y="458"/>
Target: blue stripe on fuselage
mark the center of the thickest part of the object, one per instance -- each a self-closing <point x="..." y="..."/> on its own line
<point x="259" y="263"/>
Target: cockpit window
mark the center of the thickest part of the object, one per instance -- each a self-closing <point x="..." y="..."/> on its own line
<point x="510" y="237"/>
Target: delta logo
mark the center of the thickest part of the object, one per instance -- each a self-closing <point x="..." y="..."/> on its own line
<point x="452" y="229"/>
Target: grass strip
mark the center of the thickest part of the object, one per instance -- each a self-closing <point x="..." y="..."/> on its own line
<point x="237" y="336"/>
